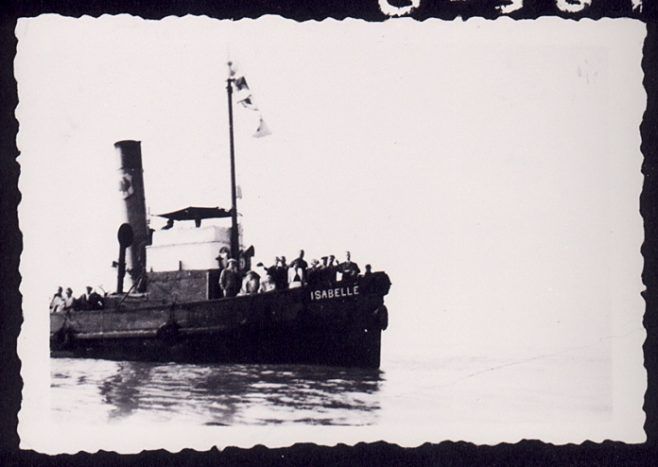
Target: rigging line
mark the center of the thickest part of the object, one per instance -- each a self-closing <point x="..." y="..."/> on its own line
<point x="538" y="357"/>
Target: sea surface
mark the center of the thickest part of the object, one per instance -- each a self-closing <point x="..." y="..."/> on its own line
<point x="533" y="389"/>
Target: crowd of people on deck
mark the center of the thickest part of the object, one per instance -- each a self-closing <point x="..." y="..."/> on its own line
<point x="62" y="302"/>
<point x="233" y="282"/>
<point x="282" y="276"/>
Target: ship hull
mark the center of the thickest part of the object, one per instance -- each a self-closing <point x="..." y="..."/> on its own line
<point x="339" y="325"/>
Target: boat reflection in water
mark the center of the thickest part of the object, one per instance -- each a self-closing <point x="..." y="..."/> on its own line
<point x="218" y="394"/>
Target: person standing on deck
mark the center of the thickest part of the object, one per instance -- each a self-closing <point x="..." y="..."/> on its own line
<point x="229" y="279"/>
<point x="322" y="272"/>
<point x="83" y="300"/>
<point x="270" y="270"/>
<point x="57" y="301"/>
<point x="281" y="277"/>
<point x="69" y="301"/>
<point x="250" y="283"/>
<point x="94" y="300"/>
<point x="314" y="273"/>
<point x="222" y="258"/>
<point x="349" y="269"/>
<point x="299" y="266"/>
<point x="331" y="270"/>
<point x="367" y="279"/>
<point x="267" y="284"/>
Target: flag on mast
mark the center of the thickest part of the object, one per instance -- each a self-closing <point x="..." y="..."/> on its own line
<point x="263" y="129"/>
<point x="246" y="99"/>
<point x="248" y="103"/>
<point x="231" y="70"/>
<point x="241" y="83"/>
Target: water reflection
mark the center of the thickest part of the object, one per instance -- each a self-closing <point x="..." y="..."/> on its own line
<point x="243" y="394"/>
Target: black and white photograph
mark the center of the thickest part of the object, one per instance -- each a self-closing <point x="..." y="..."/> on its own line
<point x="263" y="231"/>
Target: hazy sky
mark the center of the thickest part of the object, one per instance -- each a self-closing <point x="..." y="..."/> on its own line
<point x="492" y="169"/>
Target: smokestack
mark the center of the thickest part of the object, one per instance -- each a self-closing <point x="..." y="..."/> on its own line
<point x="131" y="186"/>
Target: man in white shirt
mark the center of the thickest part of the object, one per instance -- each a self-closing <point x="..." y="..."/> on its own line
<point x="57" y="302"/>
<point x="68" y="299"/>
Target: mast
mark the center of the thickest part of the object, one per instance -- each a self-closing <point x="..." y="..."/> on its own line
<point x="235" y="241"/>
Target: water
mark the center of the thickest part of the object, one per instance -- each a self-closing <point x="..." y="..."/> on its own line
<point x="442" y="391"/>
<point x="216" y="394"/>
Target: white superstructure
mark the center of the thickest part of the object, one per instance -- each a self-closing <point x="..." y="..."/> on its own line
<point x="187" y="247"/>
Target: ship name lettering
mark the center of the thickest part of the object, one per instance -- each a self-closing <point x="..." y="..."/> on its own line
<point x="336" y="292"/>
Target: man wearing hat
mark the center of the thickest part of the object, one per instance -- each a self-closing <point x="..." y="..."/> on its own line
<point x="250" y="283"/>
<point x="93" y="299"/>
<point x="229" y="279"/>
<point x="330" y="270"/>
<point x="69" y="300"/>
<point x="299" y="267"/>
<point x="267" y="283"/>
<point x="57" y="301"/>
<point x="222" y="258"/>
<point x="281" y="274"/>
<point x="314" y="273"/>
<point x="349" y="269"/>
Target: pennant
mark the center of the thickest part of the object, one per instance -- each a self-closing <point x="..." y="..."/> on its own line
<point x="231" y="70"/>
<point x="245" y="99"/>
<point x="240" y="83"/>
<point x="263" y="129"/>
<point x="248" y="103"/>
<point x="243" y="94"/>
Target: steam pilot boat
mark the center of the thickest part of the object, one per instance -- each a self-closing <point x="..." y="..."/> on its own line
<point x="173" y="309"/>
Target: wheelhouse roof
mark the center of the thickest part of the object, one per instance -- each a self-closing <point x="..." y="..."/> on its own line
<point x="194" y="212"/>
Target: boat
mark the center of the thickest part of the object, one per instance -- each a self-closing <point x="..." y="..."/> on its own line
<point x="174" y="311"/>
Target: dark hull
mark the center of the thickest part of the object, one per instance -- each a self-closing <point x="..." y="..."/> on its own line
<point x="290" y="326"/>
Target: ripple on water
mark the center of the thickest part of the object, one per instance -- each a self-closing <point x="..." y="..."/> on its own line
<point x="216" y="394"/>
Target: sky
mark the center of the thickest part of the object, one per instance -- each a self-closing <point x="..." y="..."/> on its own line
<point x="492" y="169"/>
